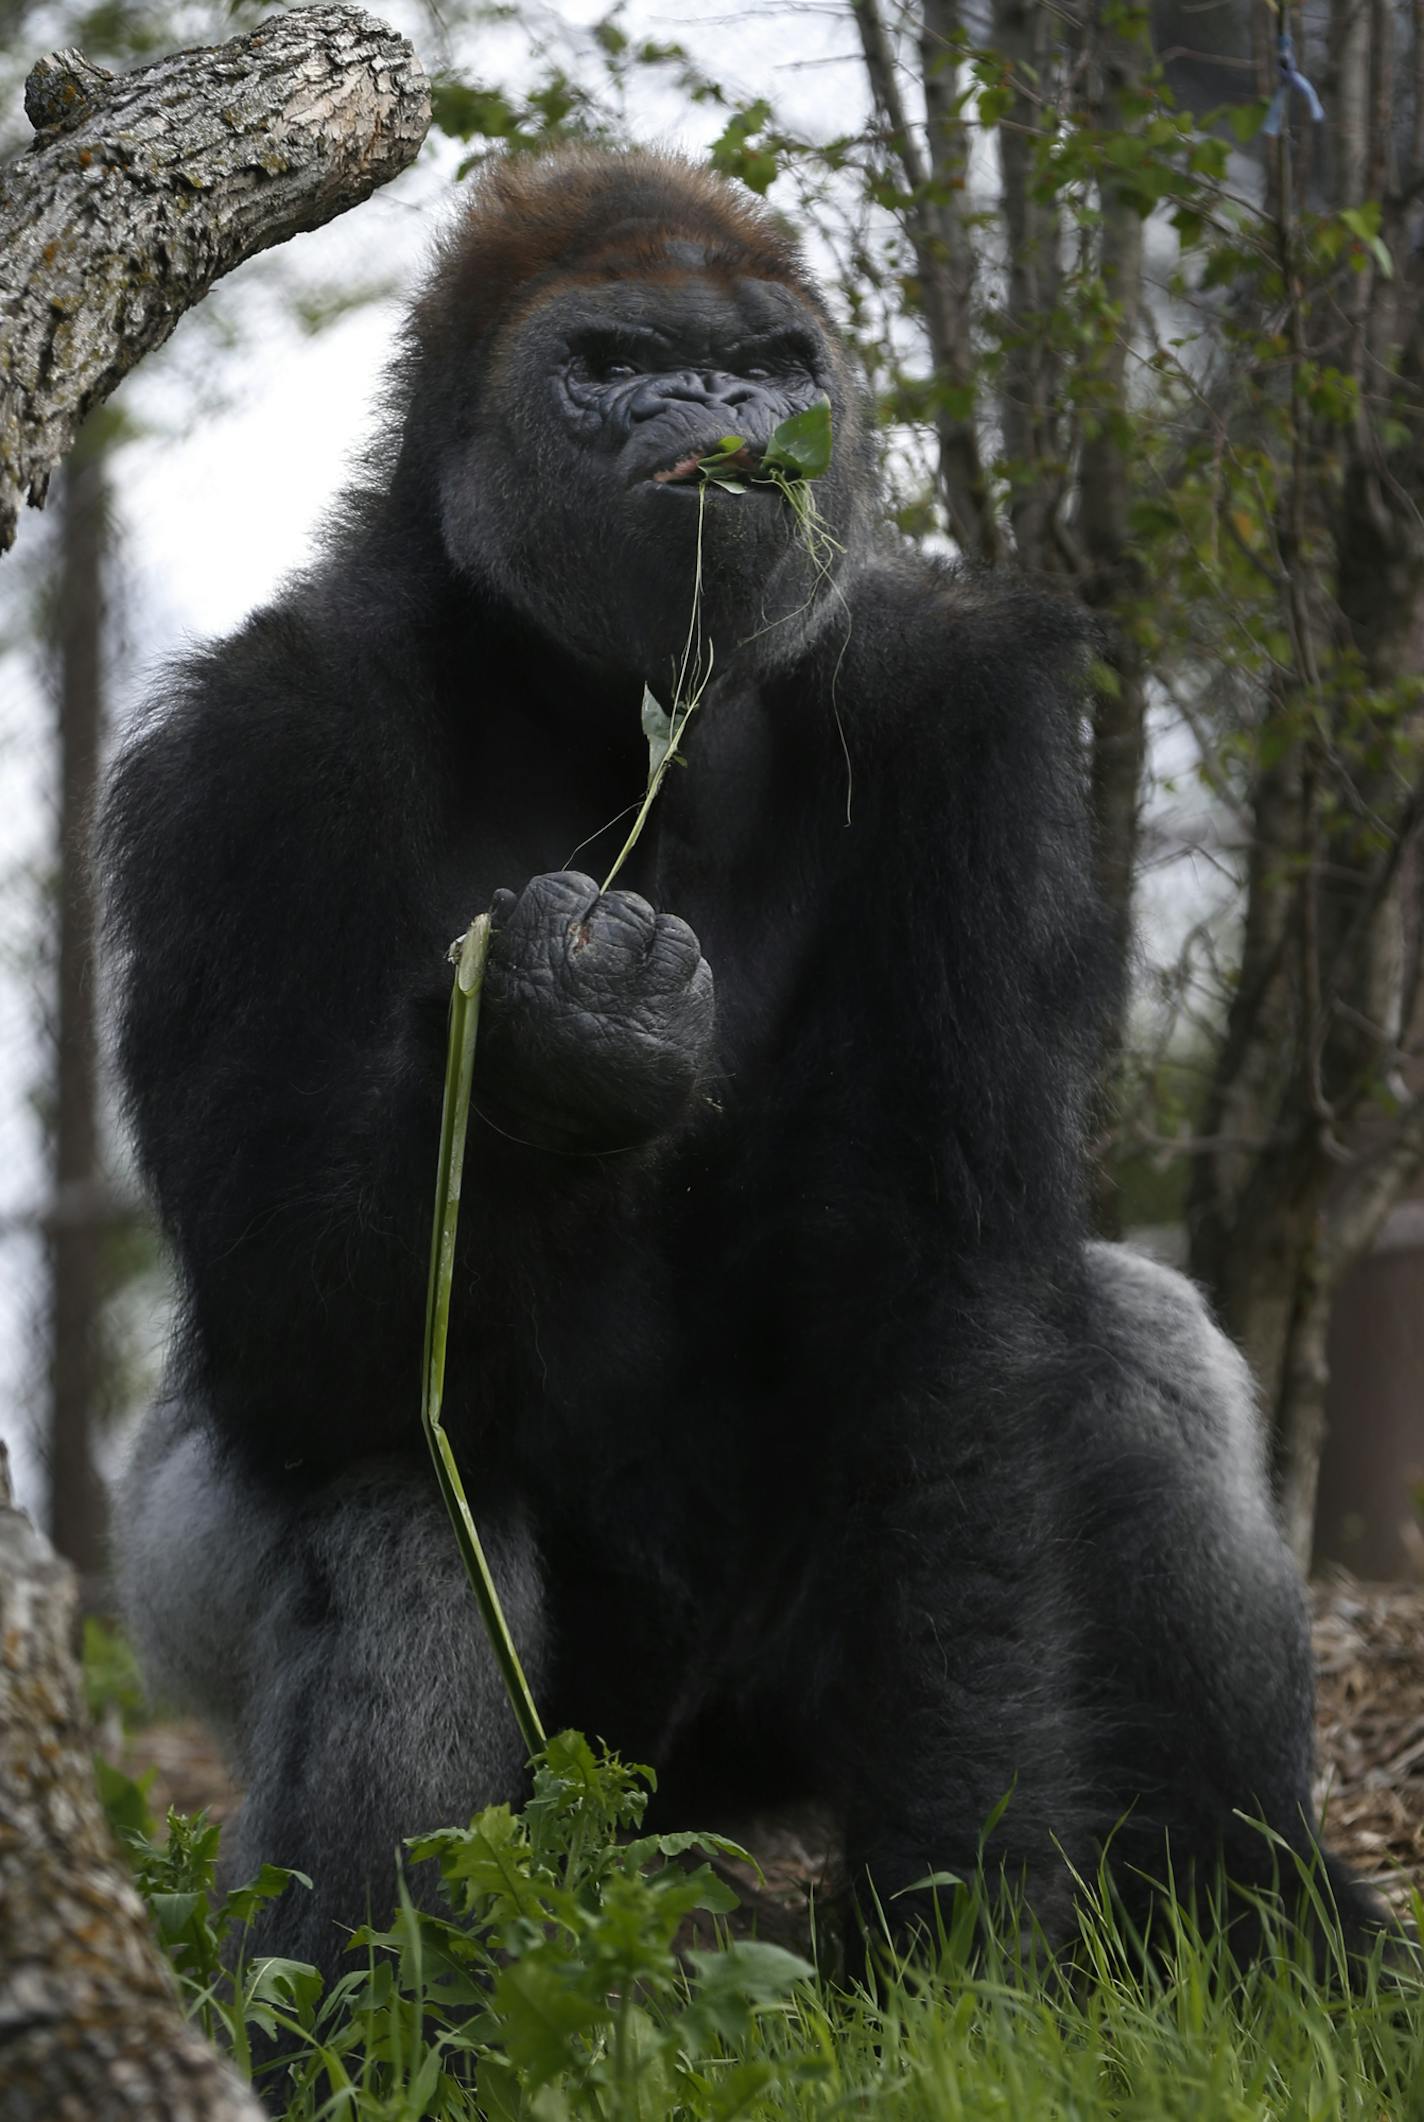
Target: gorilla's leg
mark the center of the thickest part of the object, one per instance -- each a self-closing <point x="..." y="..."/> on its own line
<point x="952" y="1708"/>
<point x="1197" y="1653"/>
<point x="333" y="1641"/>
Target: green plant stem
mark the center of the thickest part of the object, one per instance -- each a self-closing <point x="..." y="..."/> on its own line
<point x="683" y="705"/>
<point x="454" y="1123"/>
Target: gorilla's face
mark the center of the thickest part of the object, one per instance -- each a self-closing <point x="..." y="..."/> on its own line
<point x="576" y="493"/>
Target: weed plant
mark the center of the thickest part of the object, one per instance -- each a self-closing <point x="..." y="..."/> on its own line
<point x="551" y="1988"/>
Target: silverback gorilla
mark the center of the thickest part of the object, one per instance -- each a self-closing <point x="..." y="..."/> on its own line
<point x="816" y="1448"/>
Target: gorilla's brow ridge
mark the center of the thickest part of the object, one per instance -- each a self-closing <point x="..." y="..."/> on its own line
<point x="536" y="222"/>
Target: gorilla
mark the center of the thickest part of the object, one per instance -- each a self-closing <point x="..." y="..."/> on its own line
<point x="817" y="1448"/>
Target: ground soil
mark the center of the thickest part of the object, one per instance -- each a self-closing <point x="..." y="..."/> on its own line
<point x="1369" y="1648"/>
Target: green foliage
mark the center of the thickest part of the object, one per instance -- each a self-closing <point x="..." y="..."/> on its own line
<point x="555" y="1988"/>
<point x="556" y="108"/>
<point x="551" y="1988"/>
<point x="798" y="448"/>
<point x="576" y="1940"/>
<point x="203" y="1929"/>
<point x="748" y="148"/>
<point x="112" y="1685"/>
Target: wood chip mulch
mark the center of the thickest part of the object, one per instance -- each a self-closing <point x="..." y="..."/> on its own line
<point x="1369" y="1723"/>
<point x="1369" y="1650"/>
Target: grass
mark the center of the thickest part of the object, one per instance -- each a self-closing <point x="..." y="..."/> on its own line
<point x="556" y="1985"/>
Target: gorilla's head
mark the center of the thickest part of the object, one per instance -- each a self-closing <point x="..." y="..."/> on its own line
<point x="597" y="322"/>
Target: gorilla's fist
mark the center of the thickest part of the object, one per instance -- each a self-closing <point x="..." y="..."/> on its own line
<point x="597" y="1017"/>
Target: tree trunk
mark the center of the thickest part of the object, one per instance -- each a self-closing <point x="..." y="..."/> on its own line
<point x="139" y="192"/>
<point x="934" y="221"/>
<point x="75" y="1228"/>
<point x="1316" y="1120"/>
<point x="1025" y="35"/>
<point x="90" y="2025"/>
<point x="1119" y="52"/>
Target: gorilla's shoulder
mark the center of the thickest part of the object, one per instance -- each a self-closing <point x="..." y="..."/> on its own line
<point x="984" y="612"/>
<point x="308" y="672"/>
<point x="968" y="642"/>
<point x="274" y="735"/>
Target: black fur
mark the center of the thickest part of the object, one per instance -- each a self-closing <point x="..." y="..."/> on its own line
<point x="815" y="1447"/>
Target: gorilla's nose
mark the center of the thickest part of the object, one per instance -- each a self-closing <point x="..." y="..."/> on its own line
<point x="690" y="386"/>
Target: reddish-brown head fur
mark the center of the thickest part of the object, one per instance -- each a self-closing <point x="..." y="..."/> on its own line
<point x="537" y="223"/>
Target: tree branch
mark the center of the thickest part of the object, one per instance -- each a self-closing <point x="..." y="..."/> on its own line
<point x="139" y="192"/>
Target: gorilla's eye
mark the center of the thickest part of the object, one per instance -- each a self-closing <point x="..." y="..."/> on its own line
<point x="608" y="361"/>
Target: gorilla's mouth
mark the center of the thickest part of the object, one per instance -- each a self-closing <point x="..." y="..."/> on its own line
<point x="688" y="470"/>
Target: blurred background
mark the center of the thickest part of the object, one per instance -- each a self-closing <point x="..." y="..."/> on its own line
<point x="1136" y="320"/>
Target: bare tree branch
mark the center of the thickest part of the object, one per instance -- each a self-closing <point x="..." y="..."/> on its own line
<point x="139" y="192"/>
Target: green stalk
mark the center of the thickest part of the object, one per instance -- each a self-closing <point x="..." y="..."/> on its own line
<point x="684" y="704"/>
<point x="454" y="1122"/>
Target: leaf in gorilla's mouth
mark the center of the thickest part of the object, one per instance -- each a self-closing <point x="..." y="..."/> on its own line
<point x="731" y="452"/>
<point x="797" y="450"/>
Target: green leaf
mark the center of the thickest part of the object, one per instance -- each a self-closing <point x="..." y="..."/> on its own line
<point x="244" y="1901"/>
<point x="1246" y="120"/>
<point x="173" y="1913"/>
<point x="490" y="1861"/>
<point x="636" y="1854"/>
<point x="1363" y="223"/>
<point x="124" y="1800"/>
<point x="931" y="1883"/>
<point x="543" y="2012"/>
<point x="657" y="728"/>
<point x="744" y="1978"/>
<point x="801" y="446"/>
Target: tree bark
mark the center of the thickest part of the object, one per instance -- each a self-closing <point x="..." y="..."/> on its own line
<point x="1119" y="52"/>
<point x="1027" y="36"/>
<point x="139" y="192"/>
<point x="90" y="2024"/>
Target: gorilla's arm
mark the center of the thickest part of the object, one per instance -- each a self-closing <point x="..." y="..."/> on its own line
<point x="979" y="993"/>
<point x="974" y="972"/>
<point x="283" y="895"/>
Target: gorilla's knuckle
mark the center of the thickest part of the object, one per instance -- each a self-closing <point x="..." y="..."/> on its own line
<point x="630" y="908"/>
<point x="561" y="895"/>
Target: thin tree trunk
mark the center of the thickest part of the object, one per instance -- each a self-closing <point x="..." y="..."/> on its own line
<point x="1024" y="35"/>
<point x="944" y="254"/>
<point x="75" y="1230"/>
<point x="1112" y="582"/>
<point x="90" y="2024"/>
